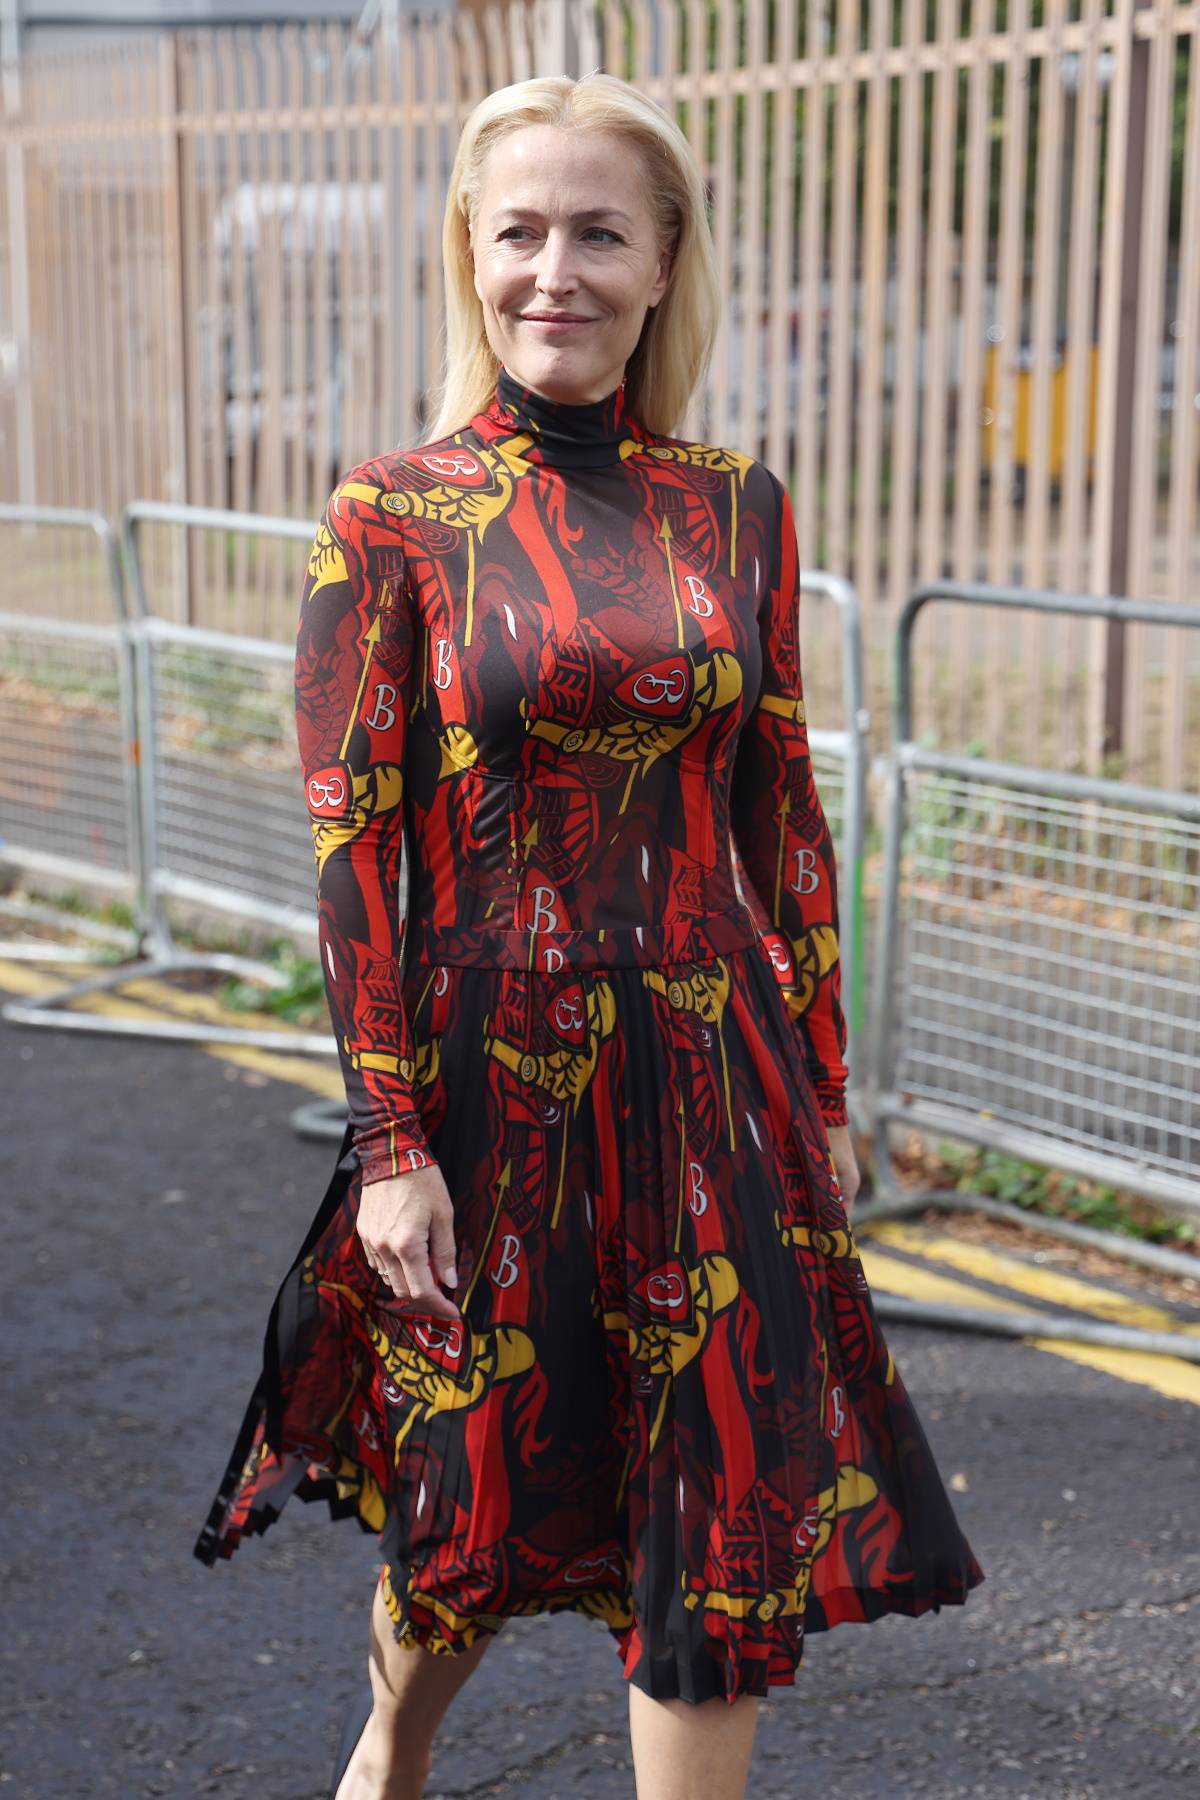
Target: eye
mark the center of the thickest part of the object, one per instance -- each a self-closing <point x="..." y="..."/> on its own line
<point x="604" y="230"/>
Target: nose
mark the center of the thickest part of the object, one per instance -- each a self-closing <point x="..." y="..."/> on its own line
<point x="556" y="264"/>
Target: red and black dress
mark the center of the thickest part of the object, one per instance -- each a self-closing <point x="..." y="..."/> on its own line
<point x="555" y="656"/>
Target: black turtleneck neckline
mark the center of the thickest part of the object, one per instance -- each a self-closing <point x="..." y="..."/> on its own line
<point x="568" y="434"/>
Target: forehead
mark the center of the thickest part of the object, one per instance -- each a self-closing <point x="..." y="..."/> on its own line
<point x="557" y="169"/>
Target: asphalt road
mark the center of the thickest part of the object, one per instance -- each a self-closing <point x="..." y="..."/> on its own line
<point x="152" y="1196"/>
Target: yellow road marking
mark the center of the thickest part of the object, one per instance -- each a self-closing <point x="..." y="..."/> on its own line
<point x="160" y="994"/>
<point x="1165" y="1374"/>
<point x="324" y="1079"/>
<point x="892" y="1276"/>
<point x="1168" y="1375"/>
<point x="1006" y="1270"/>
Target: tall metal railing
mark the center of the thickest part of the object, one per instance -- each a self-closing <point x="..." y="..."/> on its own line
<point x="1038" y="968"/>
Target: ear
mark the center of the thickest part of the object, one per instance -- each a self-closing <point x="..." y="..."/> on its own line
<point x="662" y="278"/>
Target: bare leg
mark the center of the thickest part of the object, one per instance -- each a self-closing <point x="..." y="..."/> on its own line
<point x="412" y="1689"/>
<point x="683" y="1751"/>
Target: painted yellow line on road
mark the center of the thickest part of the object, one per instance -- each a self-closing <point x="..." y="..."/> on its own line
<point x="318" y="1078"/>
<point x="1165" y="1374"/>
<point x="1006" y="1270"/>
<point x="1168" y="1375"/>
<point x="159" y="993"/>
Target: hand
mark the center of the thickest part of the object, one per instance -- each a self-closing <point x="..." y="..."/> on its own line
<point x="406" y="1224"/>
<point x="842" y="1152"/>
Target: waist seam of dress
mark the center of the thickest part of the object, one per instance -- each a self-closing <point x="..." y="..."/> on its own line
<point x="651" y="945"/>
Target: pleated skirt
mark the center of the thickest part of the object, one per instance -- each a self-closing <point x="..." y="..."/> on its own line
<point x="668" y="1405"/>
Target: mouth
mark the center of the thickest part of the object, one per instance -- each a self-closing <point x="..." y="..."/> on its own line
<point x="555" y="319"/>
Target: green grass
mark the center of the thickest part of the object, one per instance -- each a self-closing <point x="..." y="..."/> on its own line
<point x="1000" y="1176"/>
<point x="300" y="999"/>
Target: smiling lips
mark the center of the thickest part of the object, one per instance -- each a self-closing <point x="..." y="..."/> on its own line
<point x="555" y="319"/>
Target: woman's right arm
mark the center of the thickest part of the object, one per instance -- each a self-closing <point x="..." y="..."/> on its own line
<point x="355" y="667"/>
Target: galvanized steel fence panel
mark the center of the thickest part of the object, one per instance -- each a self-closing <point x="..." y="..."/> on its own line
<point x="68" y="793"/>
<point x="220" y="809"/>
<point x="1039" y="949"/>
<point x="226" y="824"/>
<point x="839" y="757"/>
<point x="65" y="796"/>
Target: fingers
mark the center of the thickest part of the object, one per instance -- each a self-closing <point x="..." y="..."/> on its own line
<point x="387" y="1270"/>
<point x="441" y="1248"/>
<point x="406" y="1227"/>
<point x="409" y="1274"/>
<point x="419" y="1280"/>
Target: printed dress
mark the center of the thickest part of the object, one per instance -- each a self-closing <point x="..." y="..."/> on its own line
<point x="553" y="659"/>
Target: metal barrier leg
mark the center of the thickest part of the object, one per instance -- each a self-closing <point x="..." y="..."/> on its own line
<point x="98" y="937"/>
<point x="320" y="1119"/>
<point x="56" y="1011"/>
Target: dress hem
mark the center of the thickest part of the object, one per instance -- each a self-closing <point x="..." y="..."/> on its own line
<point x="870" y="1604"/>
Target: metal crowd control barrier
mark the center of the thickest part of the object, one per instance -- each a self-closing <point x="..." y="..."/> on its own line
<point x="1038" y="974"/>
<point x="222" y="823"/>
<point x="840" y="766"/>
<point x="68" y="793"/>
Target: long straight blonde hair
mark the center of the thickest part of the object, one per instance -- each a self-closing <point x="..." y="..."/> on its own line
<point x="672" y="355"/>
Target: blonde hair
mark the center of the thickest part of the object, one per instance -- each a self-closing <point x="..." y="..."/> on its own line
<point x="676" y="344"/>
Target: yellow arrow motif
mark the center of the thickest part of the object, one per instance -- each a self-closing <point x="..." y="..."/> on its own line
<point x="733" y="488"/>
<point x="503" y="1183"/>
<point x="470" y="585"/>
<point x="785" y="807"/>
<point x="681" y="1115"/>
<point x="370" y="639"/>
<point x="665" y="533"/>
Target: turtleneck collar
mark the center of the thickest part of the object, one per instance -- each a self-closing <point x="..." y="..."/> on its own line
<point x="567" y="434"/>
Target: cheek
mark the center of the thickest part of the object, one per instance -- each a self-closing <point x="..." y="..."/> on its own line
<point x="494" y="282"/>
<point x="626" y="289"/>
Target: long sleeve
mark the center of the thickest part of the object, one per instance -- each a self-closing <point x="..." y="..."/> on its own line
<point x="781" y="839"/>
<point x="355" y="657"/>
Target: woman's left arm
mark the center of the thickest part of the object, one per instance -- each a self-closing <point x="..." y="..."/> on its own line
<point x="784" y="843"/>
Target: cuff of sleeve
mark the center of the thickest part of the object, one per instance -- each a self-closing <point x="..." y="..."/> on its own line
<point x="831" y="1099"/>
<point x="392" y="1148"/>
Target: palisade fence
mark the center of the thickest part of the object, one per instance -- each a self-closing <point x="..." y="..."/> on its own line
<point x="955" y="246"/>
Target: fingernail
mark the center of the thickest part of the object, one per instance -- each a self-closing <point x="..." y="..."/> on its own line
<point x="452" y="1275"/>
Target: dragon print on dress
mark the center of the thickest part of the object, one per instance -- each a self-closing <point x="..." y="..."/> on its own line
<point x="549" y="666"/>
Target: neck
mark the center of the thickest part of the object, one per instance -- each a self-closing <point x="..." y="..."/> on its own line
<point x="579" y="434"/>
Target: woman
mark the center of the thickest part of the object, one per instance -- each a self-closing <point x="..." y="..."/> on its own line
<point x="581" y="1321"/>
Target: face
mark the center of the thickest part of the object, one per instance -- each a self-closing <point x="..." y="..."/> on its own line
<point x="566" y="258"/>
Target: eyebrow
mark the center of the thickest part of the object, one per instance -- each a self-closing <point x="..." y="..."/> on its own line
<point x="592" y="212"/>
